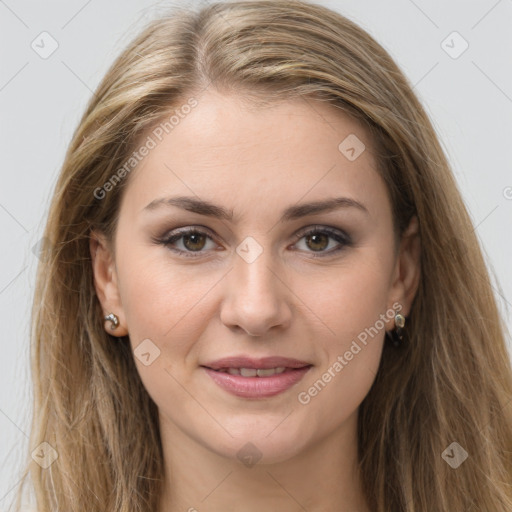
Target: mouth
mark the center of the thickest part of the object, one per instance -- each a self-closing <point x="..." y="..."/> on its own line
<point x="245" y="365"/>
<point x="257" y="372"/>
<point x="256" y="380"/>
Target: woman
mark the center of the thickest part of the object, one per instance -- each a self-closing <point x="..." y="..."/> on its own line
<point x="261" y="289"/>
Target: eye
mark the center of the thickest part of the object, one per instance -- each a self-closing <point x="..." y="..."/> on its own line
<point x="194" y="240"/>
<point x="317" y="239"/>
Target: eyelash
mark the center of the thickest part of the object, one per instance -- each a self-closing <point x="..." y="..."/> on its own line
<point x="339" y="236"/>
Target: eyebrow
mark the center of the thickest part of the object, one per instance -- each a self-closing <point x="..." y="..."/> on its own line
<point x="202" y="207"/>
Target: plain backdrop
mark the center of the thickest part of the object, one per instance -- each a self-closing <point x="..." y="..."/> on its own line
<point x="455" y="53"/>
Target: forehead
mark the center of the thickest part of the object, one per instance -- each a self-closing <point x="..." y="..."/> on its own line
<point x="241" y="154"/>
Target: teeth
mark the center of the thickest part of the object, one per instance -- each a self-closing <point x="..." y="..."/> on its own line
<point x="269" y="371"/>
<point x="248" y="372"/>
<point x="253" y="372"/>
<point x="266" y="372"/>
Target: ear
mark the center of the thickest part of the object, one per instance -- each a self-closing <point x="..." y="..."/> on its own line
<point x="407" y="272"/>
<point x="106" y="282"/>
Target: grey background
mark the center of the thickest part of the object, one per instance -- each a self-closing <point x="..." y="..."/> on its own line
<point x="469" y="99"/>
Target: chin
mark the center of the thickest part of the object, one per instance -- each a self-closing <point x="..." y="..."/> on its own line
<point x="263" y="442"/>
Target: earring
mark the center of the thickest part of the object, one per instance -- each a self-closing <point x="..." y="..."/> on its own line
<point x="114" y="321"/>
<point x="396" y="335"/>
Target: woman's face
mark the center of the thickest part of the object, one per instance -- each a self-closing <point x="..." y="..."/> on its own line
<point x="269" y="277"/>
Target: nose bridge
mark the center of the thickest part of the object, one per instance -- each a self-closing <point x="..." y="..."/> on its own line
<point x="256" y="299"/>
<point x="254" y="269"/>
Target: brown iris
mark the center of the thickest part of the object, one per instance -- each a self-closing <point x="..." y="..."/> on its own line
<point x="194" y="241"/>
<point x="318" y="240"/>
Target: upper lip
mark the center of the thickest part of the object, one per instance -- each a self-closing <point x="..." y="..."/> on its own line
<point x="249" y="362"/>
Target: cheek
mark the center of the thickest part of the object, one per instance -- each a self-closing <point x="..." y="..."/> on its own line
<point x="154" y="292"/>
<point x="353" y="296"/>
<point x="352" y="302"/>
<point x="165" y="303"/>
<point x="351" y="305"/>
<point x="165" y="309"/>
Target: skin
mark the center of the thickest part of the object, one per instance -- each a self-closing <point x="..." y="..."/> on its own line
<point x="257" y="162"/>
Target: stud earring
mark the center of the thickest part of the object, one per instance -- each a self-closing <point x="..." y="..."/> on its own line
<point x="396" y="335"/>
<point x="113" y="319"/>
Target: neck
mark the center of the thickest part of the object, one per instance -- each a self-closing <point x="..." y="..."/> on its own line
<point x="318" y="478"/>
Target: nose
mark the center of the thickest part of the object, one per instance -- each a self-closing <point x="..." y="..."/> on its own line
<point x="256" y="297"/>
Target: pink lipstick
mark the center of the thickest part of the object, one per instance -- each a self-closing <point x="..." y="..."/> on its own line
<point x="256" y="378"/>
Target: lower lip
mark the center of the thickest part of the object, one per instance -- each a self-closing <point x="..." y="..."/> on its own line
<point x="257" y="387"/>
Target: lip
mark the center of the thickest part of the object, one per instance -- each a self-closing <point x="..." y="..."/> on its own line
<point x="249" y="362"/>
<point x="257" y="387"/>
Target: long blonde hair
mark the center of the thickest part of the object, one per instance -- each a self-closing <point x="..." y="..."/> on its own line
<point x="452" y="380"/>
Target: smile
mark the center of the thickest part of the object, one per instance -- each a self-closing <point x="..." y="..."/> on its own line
<point x="253" y="372"/>
<point x="256" y="382"/>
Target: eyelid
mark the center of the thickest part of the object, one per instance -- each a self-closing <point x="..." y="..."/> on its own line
<point x="327" y="229"/>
